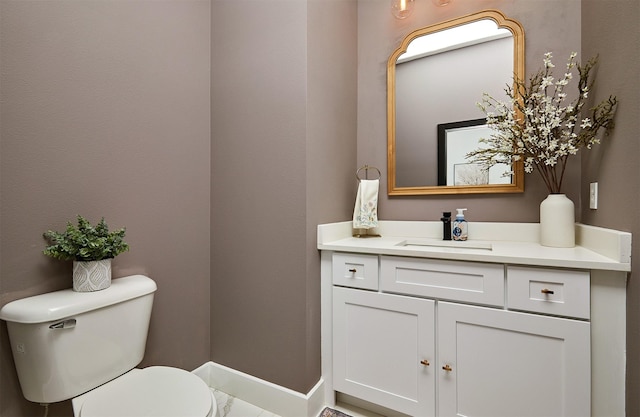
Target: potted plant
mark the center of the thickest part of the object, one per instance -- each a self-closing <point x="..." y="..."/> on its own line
<point x="543" y="124"/>
<point x="91" y="249"/>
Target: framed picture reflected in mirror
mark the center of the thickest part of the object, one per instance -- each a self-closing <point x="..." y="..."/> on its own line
<point x="455" y="140"/>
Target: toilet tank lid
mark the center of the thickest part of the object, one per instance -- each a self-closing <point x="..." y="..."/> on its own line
<point x="67" y="303"/>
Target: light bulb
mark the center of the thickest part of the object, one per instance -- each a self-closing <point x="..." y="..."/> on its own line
<point x="402" y="9"/>
<point x="442" y="2"/>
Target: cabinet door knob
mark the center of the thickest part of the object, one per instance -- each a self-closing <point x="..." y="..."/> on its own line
<point x="352" y="270"/>
<point x="546" y="291"/>
<point x="424" y="362"/>
<point x="447" y="368"/>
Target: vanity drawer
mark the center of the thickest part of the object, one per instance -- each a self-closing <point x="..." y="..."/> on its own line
<point x="549" y="291"/>
<point x="355" y="270"/>
<point x="472" y="282"/>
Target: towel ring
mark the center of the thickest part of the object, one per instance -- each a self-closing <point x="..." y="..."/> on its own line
<point x="366" y="175"/>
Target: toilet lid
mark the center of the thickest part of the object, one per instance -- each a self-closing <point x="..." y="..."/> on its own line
<point x="156" y="391"/>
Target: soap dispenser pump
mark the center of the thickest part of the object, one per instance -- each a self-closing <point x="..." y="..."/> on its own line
<point x="460" y="230"/>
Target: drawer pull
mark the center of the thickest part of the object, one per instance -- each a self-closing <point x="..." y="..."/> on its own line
<point x="546" y="291"/>
<point x="353" y="270"/>
<point x="447" y="368"/>
<point x="424" y="362"/>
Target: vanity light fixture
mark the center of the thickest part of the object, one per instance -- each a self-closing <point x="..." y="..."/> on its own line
<point x="402" y="9"/>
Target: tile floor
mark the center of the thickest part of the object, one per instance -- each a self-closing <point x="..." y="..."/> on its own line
<point x="229" y="406"/>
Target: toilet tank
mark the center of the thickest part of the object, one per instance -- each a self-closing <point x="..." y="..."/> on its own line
<point x="65" y="343"/>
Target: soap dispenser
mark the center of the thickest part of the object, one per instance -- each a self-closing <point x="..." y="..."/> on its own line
<point x="446" y="225"/>
<point x="460" y="231"/>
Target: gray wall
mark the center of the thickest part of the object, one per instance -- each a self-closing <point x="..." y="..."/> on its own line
<point x="258" y="78"/>
<point x="610" y="29"/>
<point x="105" y="112"/>
<point x="283" y="129"/>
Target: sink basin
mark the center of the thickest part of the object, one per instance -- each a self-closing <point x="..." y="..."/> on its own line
<point x="464" y="244"/>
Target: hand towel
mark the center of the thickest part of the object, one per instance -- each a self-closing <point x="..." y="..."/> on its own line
<point x="365" y="213"/>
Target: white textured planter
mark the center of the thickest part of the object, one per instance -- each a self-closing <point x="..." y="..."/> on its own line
<point x="557" y="222"/>
<point x="91" y="275"/>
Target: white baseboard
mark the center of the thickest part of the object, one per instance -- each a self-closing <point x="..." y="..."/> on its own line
<point x="264" y="394"/>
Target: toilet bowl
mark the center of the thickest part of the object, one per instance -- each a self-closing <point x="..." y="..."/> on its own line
<point x="156" y="391"/>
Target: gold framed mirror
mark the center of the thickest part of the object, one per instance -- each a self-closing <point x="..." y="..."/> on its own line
<point x="435" y="88"/>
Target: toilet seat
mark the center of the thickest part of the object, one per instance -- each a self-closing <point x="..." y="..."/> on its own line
<point x="156" y="391"/>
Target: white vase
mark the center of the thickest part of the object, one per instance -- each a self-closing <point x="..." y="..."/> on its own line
<point x="91" y="275"/>
<point x="557" y="222"/>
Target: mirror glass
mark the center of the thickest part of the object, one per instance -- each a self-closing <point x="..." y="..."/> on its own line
<point x="435" y="78"/>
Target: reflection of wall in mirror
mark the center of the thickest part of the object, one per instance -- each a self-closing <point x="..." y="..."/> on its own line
<point x="443" y="88"/>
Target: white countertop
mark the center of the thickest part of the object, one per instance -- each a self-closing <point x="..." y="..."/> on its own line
<point x="511" y="243"/>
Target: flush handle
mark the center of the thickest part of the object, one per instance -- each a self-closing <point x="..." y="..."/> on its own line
<point x="64" y="324"/>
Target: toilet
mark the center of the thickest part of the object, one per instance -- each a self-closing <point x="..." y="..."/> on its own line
<point x="85" y="347"/>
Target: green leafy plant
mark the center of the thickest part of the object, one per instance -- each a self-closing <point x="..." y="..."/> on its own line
<point x="85" y="242"/>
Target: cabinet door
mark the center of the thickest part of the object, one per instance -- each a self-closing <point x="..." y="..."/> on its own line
<point x="384" y="349"/>
<point x="504" y="363"/>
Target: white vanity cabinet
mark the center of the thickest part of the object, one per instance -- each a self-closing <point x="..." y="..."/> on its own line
<point x="391" y="350"/>
<point x="509" y="328"/>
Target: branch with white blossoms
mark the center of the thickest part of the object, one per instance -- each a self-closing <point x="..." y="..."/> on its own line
<point x="539" y="126"/>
